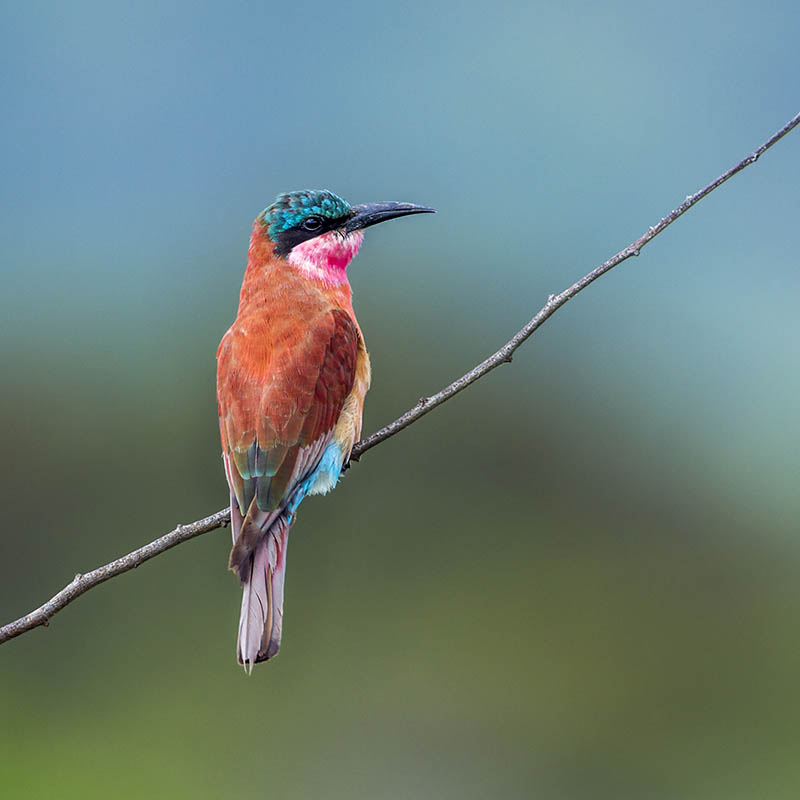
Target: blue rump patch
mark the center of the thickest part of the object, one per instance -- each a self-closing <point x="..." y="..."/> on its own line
<point x="326" y="474"/>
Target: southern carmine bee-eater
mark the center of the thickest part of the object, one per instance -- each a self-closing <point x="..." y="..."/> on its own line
<point x="292" y="372"/>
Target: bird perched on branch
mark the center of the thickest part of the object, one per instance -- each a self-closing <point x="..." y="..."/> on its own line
<point x="292" y="372"/>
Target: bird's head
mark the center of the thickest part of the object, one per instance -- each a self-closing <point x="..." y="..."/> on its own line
<point x="320" y="233"/>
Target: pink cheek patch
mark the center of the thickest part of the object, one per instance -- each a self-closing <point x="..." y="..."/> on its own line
<point x="326" y="257"/>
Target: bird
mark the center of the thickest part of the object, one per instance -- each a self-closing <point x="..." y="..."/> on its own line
<point x="292" y="374"/>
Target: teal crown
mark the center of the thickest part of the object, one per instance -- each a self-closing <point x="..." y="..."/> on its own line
<point x="291" y="208"/>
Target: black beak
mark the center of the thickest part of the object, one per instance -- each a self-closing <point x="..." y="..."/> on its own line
<point x="373" y="213"/>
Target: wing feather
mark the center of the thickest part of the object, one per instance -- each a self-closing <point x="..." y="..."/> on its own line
<point x="281" y="385"/>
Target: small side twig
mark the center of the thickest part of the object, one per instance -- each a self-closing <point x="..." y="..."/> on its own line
<point x="82" y="583"/>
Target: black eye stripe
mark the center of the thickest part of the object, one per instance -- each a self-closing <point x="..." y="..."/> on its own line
<point x="301" y="232"/>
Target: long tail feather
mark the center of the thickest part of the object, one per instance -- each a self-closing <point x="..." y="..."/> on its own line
<point x="261" y="619"/>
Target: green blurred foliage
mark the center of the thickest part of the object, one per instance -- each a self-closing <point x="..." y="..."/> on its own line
<point x="577" y="579"/>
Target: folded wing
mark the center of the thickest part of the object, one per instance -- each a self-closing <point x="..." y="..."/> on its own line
<point x="280" y="388"/>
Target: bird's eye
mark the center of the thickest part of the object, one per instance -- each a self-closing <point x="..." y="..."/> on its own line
<point x="312" y="224"/>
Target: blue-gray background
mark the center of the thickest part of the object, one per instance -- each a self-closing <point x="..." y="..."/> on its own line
<point x="578" y="579"/>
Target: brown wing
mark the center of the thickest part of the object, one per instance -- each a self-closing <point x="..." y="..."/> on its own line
<point x="281" y="386"/>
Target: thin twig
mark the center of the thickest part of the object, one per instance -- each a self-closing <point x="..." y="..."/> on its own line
<point x="82" y="583"/>
<point x="555" y="301"/>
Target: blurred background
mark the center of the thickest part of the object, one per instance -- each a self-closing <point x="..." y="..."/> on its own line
<point x="578" y="579"/>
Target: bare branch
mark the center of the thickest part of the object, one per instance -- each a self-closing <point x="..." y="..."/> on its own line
<point x="555" y="301"/>
<point x="82" y="583"/>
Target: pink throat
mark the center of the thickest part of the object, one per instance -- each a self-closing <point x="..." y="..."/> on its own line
<point x="326" y="257"/>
